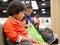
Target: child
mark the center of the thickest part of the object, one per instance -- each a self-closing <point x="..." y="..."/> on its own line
<point x="13" y="28"/>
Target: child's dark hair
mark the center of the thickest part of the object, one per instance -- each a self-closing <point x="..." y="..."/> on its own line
<point x="29" y="7"/>
<point x="15" y="7"/>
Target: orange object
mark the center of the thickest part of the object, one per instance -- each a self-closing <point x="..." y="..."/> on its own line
<point x="38" y="21"/>
<point x="13" y="28"/>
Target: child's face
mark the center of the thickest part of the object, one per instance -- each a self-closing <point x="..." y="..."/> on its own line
<point x="28" y="11"/>
<point x="20" y="15"/>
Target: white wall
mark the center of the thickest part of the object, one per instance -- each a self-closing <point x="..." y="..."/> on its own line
<point x="2" y="20"/>
<point x="55" y="16"/>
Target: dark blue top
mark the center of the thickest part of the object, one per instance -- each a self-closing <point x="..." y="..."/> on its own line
<point x="28" y="18"/>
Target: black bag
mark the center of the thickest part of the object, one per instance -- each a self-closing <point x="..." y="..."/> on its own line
<point x="47" y="34"/>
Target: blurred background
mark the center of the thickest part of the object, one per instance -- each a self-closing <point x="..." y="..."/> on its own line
<point x="48" y="11"/>
<point x="41" y="7"/>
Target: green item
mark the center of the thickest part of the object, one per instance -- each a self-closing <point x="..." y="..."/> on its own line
<point x="34" y="34"/>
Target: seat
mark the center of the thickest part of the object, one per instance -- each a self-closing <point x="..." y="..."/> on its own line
<point x="2" y="40"/>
